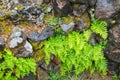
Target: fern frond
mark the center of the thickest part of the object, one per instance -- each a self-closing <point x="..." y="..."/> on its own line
<point x="99" y="27"/>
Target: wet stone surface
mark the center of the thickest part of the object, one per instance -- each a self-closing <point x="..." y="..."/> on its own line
<point x="105" y="8"/>
<point x="38" y="37"/>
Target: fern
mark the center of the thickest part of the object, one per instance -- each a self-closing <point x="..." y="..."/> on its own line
<point x="73" y="50"/>
<point x="99" y="27"/>
<point x="12" y="68"/>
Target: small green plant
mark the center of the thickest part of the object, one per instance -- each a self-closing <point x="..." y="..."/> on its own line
<point x="52" y="20"/>
<point x="98" y="26"/>
<point x="12" y="68"/>
<point x="75" y="53"/>
<point x="116" y="77"/>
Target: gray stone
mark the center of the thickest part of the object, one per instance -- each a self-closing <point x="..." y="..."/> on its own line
<point x="28" y="47"/>
<point x="34" y="36"/>
<point x="104" y="9"/>
<point x="17" y="37"/>
<point x="114" y="35"/>
<point x="16" y="34"/>
<point x="80" y="10"/>
<point x="15" y="42"/>
<point x="62" y="8"/>
<point x="67" y="27"/>
<point x="39" y="20"/>
<point x="113" y="53"/>
<point x="37" y="37"/>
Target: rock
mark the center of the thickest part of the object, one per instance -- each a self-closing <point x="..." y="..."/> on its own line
<point x="82" y="23"/>
<point x="114" y="35"/>
<point x="67" y="27"/>
<point x="62" y="8"/>
<point x="116" y="4"/>
<point x="38" y="37"/>
<point x="17" y="37"/>
<point x="2" y="44"/>
<point x="28" y="47"/>
<point x="31" y="76"/>
<point x="113" y="49"/>
<point x="36" y="10"/>
<point x="34" y="36"/>
<point x="22" y="52"/>
<point x="91" y="3"/>
<point x="15" y="42"/>
<point x="80" y="10"/>
<point x="43" y="74"/>
<point x="104" y="9"/>
<point x="113" y="67"/>
<point x="39" y="20"/>
<point x="113" y="53"/>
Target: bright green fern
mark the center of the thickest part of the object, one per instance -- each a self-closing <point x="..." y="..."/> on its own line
<point x="12" y="68"/>
<point x="75" y="53"/>
<point x="99" y="26"/>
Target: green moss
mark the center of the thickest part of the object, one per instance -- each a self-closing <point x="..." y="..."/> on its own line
<point x="38" y="52"/>
<point x="19" y="7"/>
<point x="6" y="26"/>
<point x="67" y="20"/>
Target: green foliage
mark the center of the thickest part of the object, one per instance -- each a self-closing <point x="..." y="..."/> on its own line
<point x="51" y="20"/>
<point x="116" y="77"/>
<point x="75" y="53"/>
<point x="98" y="26"/>
<point x="12" y="68"/>
<point x="56" y="76"/>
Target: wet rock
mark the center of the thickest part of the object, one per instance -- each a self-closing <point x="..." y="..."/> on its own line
<point x="113" y="47"/>
<point x="88" y="2"/>
<point x="2" y="44"/>
<point x="62" y="8"/>
<point x="31" y="76"/>
<point x="39" y="20"/>
<point x="113" y="67"/>
<point x="82" y="23"/>
<point x="27" y="13"/>
<point x="22" y="52"/>
<point x="114" y="35"/>
<point x="113" y="53"/>
<point x="38" y="37"/>
<point x="36" y="10"/>
<point x="92" y="3"/>
<point x="79" y="10"/>
<point x="68" y="27"/>
<point x="104" y="8"/>
<point x="43" y="75"/>
<point x="17" y="37"/>
<point x="117" y="5"/>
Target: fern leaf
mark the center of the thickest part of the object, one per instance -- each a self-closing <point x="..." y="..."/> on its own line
<point x="99" y="27"/>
